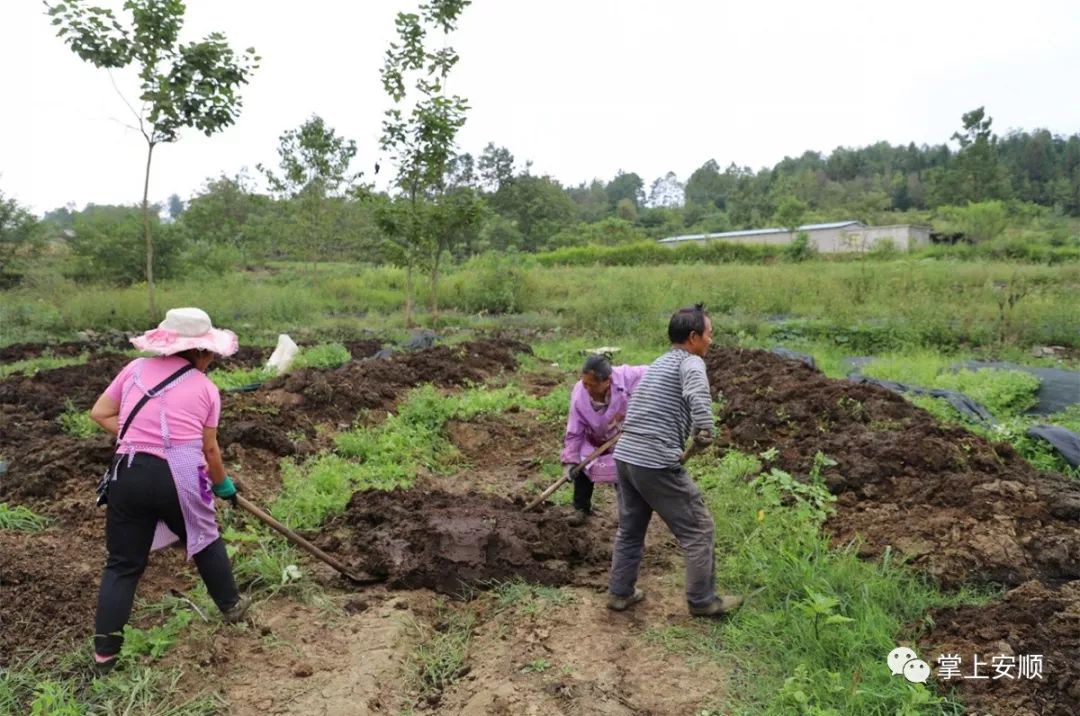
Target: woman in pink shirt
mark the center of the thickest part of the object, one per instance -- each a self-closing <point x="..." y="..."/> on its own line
<point x="159" y="490"/>
<point x="597" y="408"/>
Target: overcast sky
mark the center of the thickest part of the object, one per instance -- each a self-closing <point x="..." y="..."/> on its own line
<point x="583" y="88"/>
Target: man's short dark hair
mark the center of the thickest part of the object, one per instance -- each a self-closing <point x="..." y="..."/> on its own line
<point x="599" y="365"/>
<point x="685" y="321"/>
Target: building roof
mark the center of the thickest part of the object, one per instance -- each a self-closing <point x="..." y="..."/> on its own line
<point x="758" y="232"/>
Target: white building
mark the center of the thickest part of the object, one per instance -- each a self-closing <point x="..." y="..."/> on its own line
<point x="834" y="237"/>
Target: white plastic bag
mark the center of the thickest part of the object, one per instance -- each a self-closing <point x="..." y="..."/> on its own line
<point x="283" y="355"/>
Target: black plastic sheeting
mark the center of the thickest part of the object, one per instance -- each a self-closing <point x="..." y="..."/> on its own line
<point x="967" y="407"/>
<point x="794" y="355"/>
<point x="1058" y="389"/>
<point x="1064" y="441"/>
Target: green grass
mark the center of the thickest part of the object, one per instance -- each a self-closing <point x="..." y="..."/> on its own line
<point x="867" y="305"/>
<point x="1005" y="393"/>
<point x="240" y="377"/>
<point x="814" y="640"/>
<point x="386" y="456"/>
<point x="324" y="355"/>
<point x="67" y="688"/>
<point x="77" y="422"/>
<point x="437" y="659"/>
<point x="155" y="641"/>
<point x="528" y="599"/>
<point x="44" y="362"/>
<point x="20" y="519"/>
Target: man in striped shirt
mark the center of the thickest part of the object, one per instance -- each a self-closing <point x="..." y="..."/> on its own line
<point x="671" y="402"/>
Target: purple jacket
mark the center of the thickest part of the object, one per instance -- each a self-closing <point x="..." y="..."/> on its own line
<point x="588" y="429"/>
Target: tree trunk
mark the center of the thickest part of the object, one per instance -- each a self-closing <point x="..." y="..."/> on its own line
<point x="146" y="234"/>
<point x="435" y="287"/>
<point x="408" y="296"/>
<point x="314" y="237"/>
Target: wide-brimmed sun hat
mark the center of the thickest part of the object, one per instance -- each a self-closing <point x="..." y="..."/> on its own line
<point x="184" y="329"/>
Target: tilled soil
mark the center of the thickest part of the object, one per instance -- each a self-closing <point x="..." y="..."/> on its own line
<point x="958" y="507"/>
<point x="284" y="408"/>
<point x="1035" y="619"/>
<point x="451" y="543"/>
<point x="111" y="341"/>
<point x="48" y="580"/>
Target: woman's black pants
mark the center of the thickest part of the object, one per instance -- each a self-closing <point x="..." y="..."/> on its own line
<point x="142" y="494"/>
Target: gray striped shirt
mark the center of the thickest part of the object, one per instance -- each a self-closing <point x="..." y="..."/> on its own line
<point x="671" y="402"/>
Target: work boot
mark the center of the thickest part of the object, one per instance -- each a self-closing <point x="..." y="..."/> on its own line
<point x="579" y="518"/>
<point x="621" y="604"/>
<point x="235" y="613"/>
<point x="719" y="607"/>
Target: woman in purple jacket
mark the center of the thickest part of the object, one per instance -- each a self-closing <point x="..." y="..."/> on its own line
<point x="597" y="408"/>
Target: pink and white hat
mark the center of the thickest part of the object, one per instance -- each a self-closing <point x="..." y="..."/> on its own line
<point x="184" y="329"/>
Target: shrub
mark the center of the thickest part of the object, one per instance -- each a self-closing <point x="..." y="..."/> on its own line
<point x="492" y="283"/>
<point x="109" y="246"/>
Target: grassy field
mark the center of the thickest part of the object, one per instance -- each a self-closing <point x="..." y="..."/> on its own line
<point x="864" y="305"/>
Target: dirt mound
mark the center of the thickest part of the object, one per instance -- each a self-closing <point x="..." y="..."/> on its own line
<point x="449" y="543"/>
<point x="41" y="473"/>
<point x="360" y="350"/>
<point x="245" y="357"/>
<point x="960" y="507"/>
<point x="46" y="394"/>
<point x="111" y="341"/>
<point x="295" y="403"/>
<point x="1032" y="620"/>
<point x="256" y="356"/>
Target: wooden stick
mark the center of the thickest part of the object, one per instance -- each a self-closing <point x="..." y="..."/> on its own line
<point x="299" y="541"/>
<point x="566" y="478"/>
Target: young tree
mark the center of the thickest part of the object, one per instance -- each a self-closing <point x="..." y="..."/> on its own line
<point x="666" y="191"/>
<point x="626" y="186"/>
<point x="314" y="177"/>
<point x="421" y="220"/>
<point x="176" y="206"/>
<point x="538" y="205"/>
<point x="223" y="211"/>
<point x="18" y="229"/>
<point x="496" y="167"/>
<point x="790" y="213"/>
<point x="192" y="85"/>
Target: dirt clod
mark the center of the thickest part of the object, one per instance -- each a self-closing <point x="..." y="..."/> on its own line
<point x="452" y="543"/>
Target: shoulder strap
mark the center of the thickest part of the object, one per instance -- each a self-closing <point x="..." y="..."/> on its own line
<point x="150" y="394"/>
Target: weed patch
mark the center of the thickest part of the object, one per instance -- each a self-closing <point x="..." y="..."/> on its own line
<point x="77" y="422"/>
<point x="438" y="658"/>
<point x="813" y="640"/>
<point x="386" y="456"/>
<point x="324" y="356"/>
<point x="528" y="599"/>
<point x="20" y="519"/>
<point x="68" y="689"/>
<point x="240" y="377"/>
<point x="46" y="361"/>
